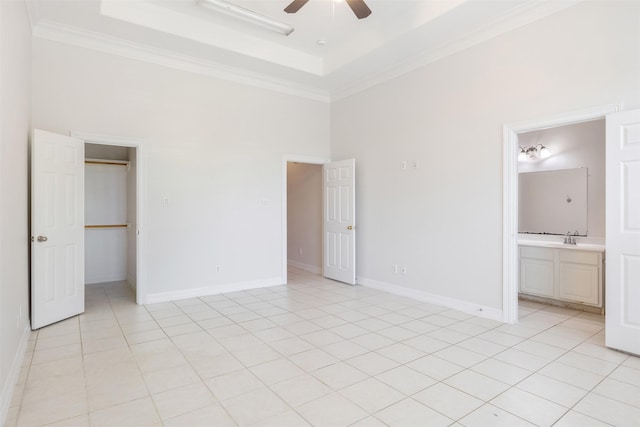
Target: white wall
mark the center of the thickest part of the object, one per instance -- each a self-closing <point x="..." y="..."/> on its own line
<point x="15" y="71"/>
<point x="304" y="216"/>
<point x="574" y="146"/>
<point x="212" y="148"/>
<point x="444" y="220"/>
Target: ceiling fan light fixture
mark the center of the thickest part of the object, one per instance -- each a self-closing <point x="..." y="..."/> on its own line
<point x="247" y="15"/>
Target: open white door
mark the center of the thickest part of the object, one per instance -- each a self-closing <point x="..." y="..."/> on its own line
<point x="57" y="228"/>
<point x="622" y="282"/>
<point x="339" y="233"/>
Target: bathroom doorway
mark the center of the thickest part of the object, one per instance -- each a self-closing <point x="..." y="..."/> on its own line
<point x="512" y="135"/>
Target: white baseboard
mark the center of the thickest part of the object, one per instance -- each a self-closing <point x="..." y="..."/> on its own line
<point x="456" y="304"/>
<point x="211" y="290"/>
<point x="306" y="267"/>
<point x="104" y="279"/>
<point x="131" y="281"/>
<point x="14" y="372"/>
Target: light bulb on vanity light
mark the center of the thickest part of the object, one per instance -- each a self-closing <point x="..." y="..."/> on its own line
<point x="543" y="152"/>
<point x="522" y="155"/>
<point x="533" y="152"/>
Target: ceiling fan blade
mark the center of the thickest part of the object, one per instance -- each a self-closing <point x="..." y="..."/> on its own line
<point x="359" y="7"/>
<point x="295" y="6"/>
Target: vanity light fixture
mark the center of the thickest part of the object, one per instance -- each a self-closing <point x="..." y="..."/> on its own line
<point x="247" y="15"/>
<point x="533" y="152"/>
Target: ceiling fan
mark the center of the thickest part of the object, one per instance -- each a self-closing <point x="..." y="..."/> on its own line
<point x="359" y="7"/>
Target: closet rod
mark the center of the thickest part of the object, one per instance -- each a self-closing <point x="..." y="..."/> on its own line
<point x="107" y="226"/>
<point x="98" y="162"/>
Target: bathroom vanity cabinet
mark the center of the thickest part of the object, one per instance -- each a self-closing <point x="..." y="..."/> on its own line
<point x="571" y="275"/>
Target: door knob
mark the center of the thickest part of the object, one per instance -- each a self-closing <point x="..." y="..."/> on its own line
<point x="349" y="227"/>
<point x="42" y="238"/>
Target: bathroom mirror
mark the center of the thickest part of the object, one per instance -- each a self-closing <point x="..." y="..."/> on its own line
<point x="553" y="202"/>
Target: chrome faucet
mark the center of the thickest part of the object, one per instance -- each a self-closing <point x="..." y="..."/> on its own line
<point x="570" y="239"/>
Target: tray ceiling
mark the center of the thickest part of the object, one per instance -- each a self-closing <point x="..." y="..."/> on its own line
<point x="353" y="54"/>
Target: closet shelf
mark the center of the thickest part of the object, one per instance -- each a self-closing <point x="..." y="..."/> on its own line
<point x="106" y="162"/>
<point x="107" y="226"/>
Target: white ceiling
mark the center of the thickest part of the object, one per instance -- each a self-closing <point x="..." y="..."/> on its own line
<point x="398" y="36"/>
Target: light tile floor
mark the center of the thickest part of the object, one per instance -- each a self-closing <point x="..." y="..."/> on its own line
<point x="316" y="352"/>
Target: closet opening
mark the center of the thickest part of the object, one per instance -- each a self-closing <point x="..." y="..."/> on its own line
<point x="111" y="226"/>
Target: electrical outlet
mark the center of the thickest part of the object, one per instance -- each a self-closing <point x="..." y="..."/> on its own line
<point x="415" y="164"/>
<point x="165" y="202"/>
<point x="403" y="271"/>
<point x="395" y="268"/>
<point x="218" y="269"/>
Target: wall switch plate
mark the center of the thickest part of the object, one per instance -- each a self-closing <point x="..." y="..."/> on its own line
<point x="395" y="269"/>
<point x="165" y="202"/>
<point x="403" y="164"/>
<point x="299" y="251"/>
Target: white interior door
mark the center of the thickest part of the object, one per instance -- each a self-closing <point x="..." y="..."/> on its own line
<point x="339" y="233"/>
<point x="57" y="228"/>
<point x="623" y="231"/>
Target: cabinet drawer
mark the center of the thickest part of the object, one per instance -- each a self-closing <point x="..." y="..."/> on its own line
<point x="579" y="257"/>
<point x="536" y="252"/>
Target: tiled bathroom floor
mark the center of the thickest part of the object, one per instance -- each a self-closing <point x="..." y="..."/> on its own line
<point x="317" y="352"/>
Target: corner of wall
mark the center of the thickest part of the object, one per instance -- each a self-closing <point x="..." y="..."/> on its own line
<point x="306" y="267"/>
<point x="452" y="303"/>
<point x="6" y="392"/>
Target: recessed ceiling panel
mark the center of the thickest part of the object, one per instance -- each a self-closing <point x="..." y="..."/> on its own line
<point x="330" y="51"/>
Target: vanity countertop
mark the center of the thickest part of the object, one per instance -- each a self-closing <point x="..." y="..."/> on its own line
<point x="594" y="247"/>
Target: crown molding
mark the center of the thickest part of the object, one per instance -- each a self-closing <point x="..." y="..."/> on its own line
<point x="54" y="31"/>
<point x="527" y="13"/>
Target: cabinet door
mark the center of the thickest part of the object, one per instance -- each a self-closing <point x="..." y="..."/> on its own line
<point x="579" y="283"/>
<point x="537" y="271"/>
<point x="536" y="277"/>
